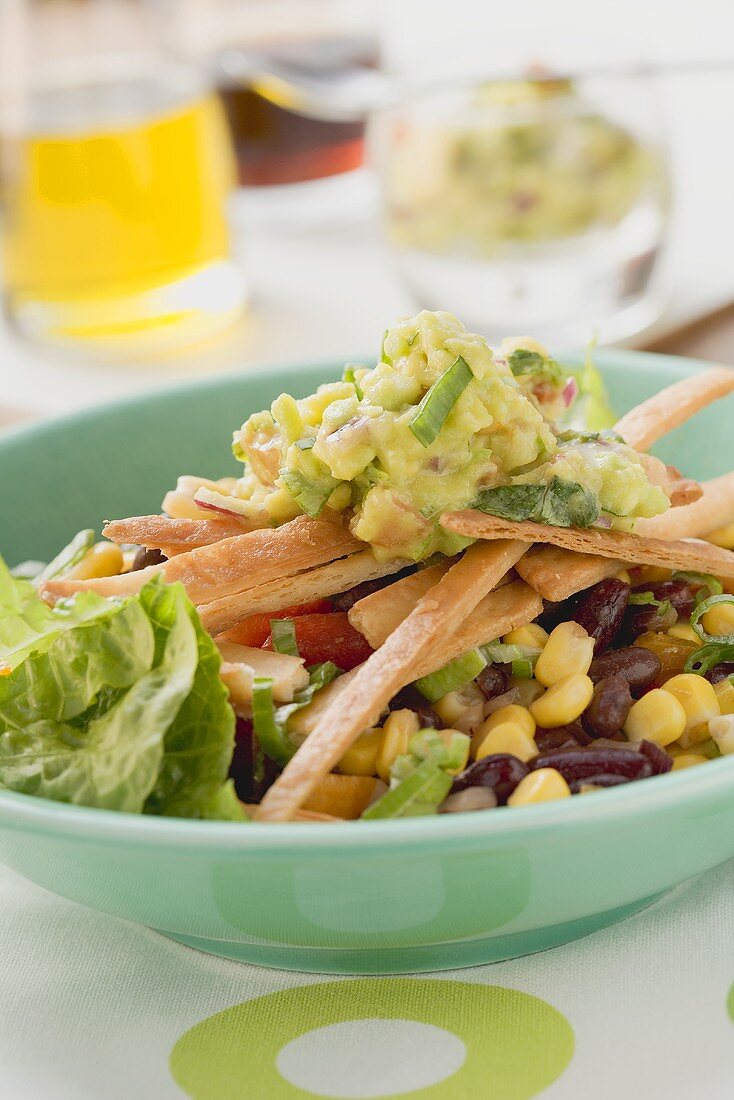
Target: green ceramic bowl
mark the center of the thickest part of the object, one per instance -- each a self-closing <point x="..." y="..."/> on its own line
<point x="423" y="894"/>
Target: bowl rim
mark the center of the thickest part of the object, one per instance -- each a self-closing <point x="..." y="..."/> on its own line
<point x="97" y="826"/>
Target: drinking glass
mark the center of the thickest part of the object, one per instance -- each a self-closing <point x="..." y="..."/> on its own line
<point x="116" y="167"/>
<point x="529" y="204"/>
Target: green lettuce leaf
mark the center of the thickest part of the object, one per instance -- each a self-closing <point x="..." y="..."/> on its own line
<point x="27" y="624"/>
<point x="199" y="742"/>
<point x="114" y="761"/>
<point x="114" y="703"/>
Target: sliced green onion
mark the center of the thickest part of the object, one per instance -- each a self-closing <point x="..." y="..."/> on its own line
<point x="522" y="669"/>
<point x="306" y="444"/>
<point x="318" y="677"/>
<point x="647" y="599"/>
<point x="283" y="633"/>
<point x="384" y="357"/>
<point x="454" y="675"/>
<point x="67" y="558"/>
<point x="700" y="611"/>
<point x="269" y="731"/>
<point x="708" y="657"/>
<point x="430" y="416"/>
<point x="421" y="792"/>
<point x="310" y="498"/>
<point x="348" y="375"/>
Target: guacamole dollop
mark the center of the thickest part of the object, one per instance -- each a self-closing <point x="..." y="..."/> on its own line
<point x="433" y="426"/>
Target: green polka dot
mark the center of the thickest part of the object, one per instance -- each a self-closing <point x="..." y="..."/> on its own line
<point x="516" y="1044"/>
<point x="730" y="1004"/>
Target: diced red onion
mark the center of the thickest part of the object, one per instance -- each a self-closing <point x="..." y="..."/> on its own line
<point x="570" y="392"/>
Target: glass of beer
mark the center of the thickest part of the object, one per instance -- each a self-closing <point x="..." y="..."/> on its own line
<point x="115" y="172"/>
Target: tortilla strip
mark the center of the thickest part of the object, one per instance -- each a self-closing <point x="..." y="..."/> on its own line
<point x="714" y="508"/>
<point x="499" y="612"/>
<point x="336" y="576"/>
<point x="620" y="545"/>
<point x="182" y="534"/>
<point x="654" y="418"/>
<point x="377" y="615"/>
<point x="241" y="664"/>
<point x="233" y="564"/>
<point x="557" y="574"/>
<point x="440" y="612"/>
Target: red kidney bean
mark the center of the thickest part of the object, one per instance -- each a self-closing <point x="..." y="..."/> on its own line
<point x="678" y="592"/>
<point x="409" y="698"/>
<point x="601" y="611"/>
<point x="501" y="772"/>
<point x="604" y="779"/>
<point x="555" y="613"/>
<point x="610" y="704"/>
<point x="720" y="672"/>
<point x="145" y="557"/>
<point x="493" y="681"/>
<point x="639" y="667"/>
<point x="658" y="757"/>
<point x="562" y="737"/>
<point x="647" y="619"/>
<point x="345" y="601"/>
<point x="584" y="763"/>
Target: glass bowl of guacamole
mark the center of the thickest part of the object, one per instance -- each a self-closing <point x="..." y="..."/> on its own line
<point x="530" y="202"/>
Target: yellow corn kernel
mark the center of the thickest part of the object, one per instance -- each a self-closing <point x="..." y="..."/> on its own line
<point x="361" y="758"/>
<point x="719" y="620"/>
<point x="569" y="650"/>
<point x="722" y="536"/>
<point x="688" y="760"/>
<point x="511" y="713"/>
<point x="698" y="699"/>
<point x="658" y="716"/>
<point x="725" y="694"/>
<point x="564" y="701"/>
<point x="104" y="559"/>
<point x="508" y="737"/>
<point x="463" y="709"/>
<point x="684" y="631"/>
<point x="623" y="575"/>
<point x="543" y="785"/>
<point x="533" y="636"/>
<point x="722" y="731"/>
<point x="396" y="733"/>
<point x="518" y="715"/>
<point x="651" y="574"/>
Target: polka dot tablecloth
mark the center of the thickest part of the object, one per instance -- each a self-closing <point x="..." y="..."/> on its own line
<point x="92" y="1007"/>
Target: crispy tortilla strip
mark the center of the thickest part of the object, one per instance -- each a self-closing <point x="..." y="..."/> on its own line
<point x="234" y="564"/>
<point x="441" y="611"/>
<point x="183" y="534"/>
<point x="654" y="418"/>
<point x="557" y="574"/>
<point x="499" y="612"/>
<point x="241" y="664"/>
<point x="124" y="584"/>
<point x="684" y="554"/>
<point x="714" y="508"/>
<point x="377" y="615"/>
<point x="337" y="576"/>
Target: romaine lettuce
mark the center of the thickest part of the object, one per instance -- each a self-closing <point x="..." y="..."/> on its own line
<point x="116" y="704"/>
